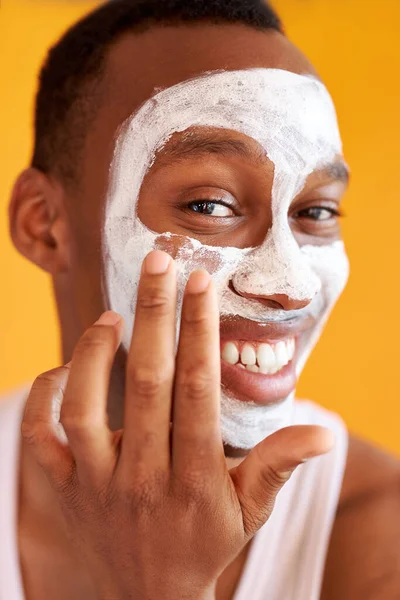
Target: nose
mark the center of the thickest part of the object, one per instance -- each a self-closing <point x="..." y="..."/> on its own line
<point x="278" y="274"/>
<point x="277" y="301"/>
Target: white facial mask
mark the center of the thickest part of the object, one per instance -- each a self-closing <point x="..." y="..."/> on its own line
<point x="293" y="118"/>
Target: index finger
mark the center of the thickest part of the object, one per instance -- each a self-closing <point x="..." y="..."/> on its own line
<point x="150" y="369"/>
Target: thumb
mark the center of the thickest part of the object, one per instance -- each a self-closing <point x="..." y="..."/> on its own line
<point x="263" y="473"/>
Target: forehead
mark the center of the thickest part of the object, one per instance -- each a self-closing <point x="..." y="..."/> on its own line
<point x="290" y="115"/>
<point x="161" y="57"/>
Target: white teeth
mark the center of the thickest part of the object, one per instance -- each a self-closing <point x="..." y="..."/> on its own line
<point x="291" y="348"/>
<point x="260" y="358"/>
<point x="230" y="353"/>
<point x="266" y="357"/>
<point x="248" y="355"/>
<point x="281" y="354"/>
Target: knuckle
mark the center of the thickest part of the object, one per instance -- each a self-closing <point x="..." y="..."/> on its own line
<point x="146" y="493"/>
<point x="146" y="381"/>
<point x="155" y="300"/>
<point x="189" y="489"/>
<point x="197" y="319"/>
<point x="150" y="439"/>
<point x="94" y="339"/>
<point x="272" y="479"/>
<point x="48" y="381"/>
<point x="79" y="424"/>
<point x="143" y="502"/>
<point x="196" y="383"/>
<point x="36" y="433"/>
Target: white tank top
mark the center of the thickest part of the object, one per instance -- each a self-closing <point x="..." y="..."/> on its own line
<point x="287" y="557"/>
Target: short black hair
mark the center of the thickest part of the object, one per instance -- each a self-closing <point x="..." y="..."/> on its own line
<point x="68" y="92"/>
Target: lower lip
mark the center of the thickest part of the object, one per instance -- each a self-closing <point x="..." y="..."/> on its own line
<point x="256" y="387"/>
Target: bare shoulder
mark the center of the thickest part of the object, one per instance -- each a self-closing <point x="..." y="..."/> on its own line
<point x="370" y="470"/>
<point x="364" y="555"/>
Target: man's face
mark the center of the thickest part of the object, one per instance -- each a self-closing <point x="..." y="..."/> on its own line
<point x="235" y="165"/>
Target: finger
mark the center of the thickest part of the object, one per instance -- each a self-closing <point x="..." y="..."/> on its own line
<point x="262" y="474"/>
<point x="84" y="409"/>
<point x="196" y="439"/>
<point x="40" y="427"/>
<point x="150" y="370"/>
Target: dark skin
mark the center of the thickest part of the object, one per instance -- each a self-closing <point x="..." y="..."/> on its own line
<point x="59" y="227"/>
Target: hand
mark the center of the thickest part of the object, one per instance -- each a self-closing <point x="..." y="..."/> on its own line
<point x="153" y="510"/>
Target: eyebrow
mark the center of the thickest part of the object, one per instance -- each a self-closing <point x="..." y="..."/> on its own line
<point x="337" y="170"/>
<point x="195" y="145"/>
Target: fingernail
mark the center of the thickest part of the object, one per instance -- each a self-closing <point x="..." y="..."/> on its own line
<point x="198" y="282"/>
<point x="157" y="262"/>
<point x="108" y="318"/>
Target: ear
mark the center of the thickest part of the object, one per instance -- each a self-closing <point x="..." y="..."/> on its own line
<point x="38" y="222"/>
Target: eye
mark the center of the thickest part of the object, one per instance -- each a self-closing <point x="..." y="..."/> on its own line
<point x="318" y="213"/>
<point x="211" y="208"/>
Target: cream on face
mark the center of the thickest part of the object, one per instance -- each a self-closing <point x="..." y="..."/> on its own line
<point x="293" y="118"/>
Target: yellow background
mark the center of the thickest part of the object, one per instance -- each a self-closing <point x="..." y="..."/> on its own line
<point x="355" y="46"/>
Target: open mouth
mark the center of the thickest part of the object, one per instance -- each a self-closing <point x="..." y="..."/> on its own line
<point x="263" y="358"/>
<point x="258" y="360"/>
<point x="263" y="373"/>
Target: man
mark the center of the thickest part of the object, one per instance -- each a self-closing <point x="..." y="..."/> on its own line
<point x="225" y="156"/>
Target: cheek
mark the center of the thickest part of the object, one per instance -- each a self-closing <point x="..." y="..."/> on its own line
<point x="209" y="259"/>
<point x="190" y="254"/>
<point x="174" y="245"/>
<point x="331" y="264"/>
<point x="151" y="205"/>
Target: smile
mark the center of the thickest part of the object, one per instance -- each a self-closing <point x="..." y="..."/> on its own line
<point x="258" y="360"/>
<point x="263" y="358"/>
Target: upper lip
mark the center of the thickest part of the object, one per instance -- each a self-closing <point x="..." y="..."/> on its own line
<point x="237" y="328"/>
